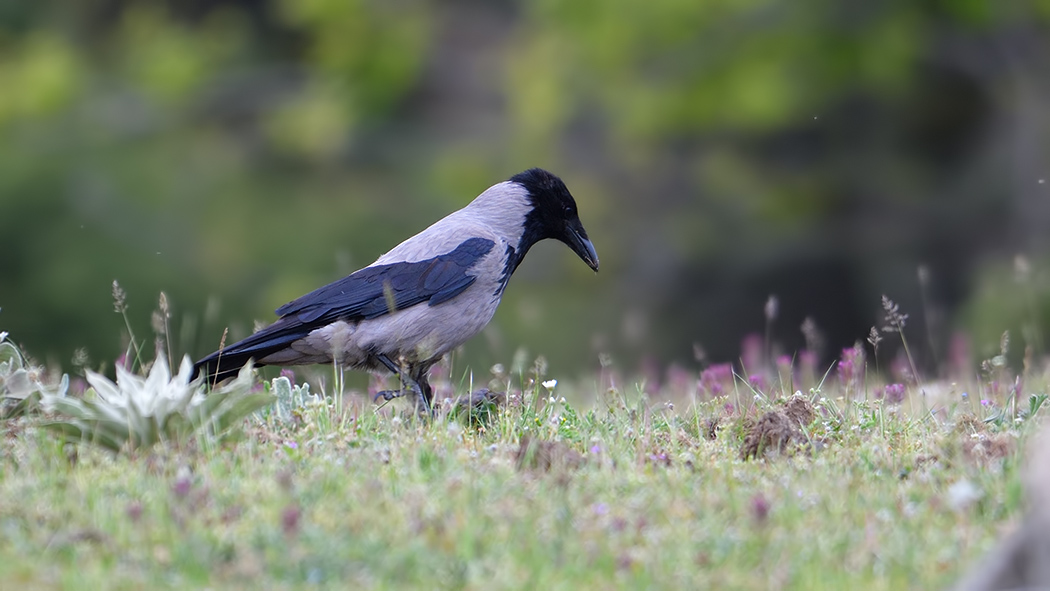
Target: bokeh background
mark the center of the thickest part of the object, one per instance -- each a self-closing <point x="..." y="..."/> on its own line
<point x="238" y="153"/>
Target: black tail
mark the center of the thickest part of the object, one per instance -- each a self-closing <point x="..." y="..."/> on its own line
<point x="221" y="364"/>
<point x="228" y="361"/>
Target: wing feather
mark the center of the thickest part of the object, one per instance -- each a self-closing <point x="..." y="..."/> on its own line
<point x="363" y="295"/>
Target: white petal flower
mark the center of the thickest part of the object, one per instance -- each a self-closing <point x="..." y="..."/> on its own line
<point x="550" y="384"/>
<point x="140" y="411"/>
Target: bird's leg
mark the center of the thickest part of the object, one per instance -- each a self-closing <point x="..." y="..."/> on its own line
<point x="426" y="393"/>
<point x="406" y="380"/>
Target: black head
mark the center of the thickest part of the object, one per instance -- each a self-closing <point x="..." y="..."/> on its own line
<point x="553" y="215"/>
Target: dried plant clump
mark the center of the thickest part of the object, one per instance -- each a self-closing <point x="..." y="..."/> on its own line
<point x="479" y="399"/>
<point x="773" y="431"/>
<point x="987" y="448"/>
<point x="778" y="430"/>
<point x="799" y="410"/>
<point x="969" y="424"/>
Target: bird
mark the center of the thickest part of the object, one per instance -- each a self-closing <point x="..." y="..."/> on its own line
<point x="424" y="297"/>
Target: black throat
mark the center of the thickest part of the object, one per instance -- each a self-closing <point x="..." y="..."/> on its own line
<point x="548" y="196"/>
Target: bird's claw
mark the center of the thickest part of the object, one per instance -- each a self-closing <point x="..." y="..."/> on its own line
<point x="388" y="395"/>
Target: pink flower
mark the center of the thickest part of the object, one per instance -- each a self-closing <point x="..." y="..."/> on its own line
<point x="894" y="393"/>
<point x="752" y="352"/>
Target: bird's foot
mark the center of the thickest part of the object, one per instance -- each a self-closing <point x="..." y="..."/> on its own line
<point x="389" y="395"/>
<point x="405" y="390"/>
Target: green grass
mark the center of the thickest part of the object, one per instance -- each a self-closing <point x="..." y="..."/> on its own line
<point x="619" y="493"/>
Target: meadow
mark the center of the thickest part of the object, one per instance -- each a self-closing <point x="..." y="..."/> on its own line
<point x="715" y="479"/>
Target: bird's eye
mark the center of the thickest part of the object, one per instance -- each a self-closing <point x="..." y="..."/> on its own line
<point x="568" y="210"/>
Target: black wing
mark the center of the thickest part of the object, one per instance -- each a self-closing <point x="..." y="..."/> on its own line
<point x="366" y="294"/>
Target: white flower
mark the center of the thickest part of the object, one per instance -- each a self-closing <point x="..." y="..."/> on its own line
<point x="159" y="394"/>
<point x="140" y="411"/>
<point x="550" y="384"/>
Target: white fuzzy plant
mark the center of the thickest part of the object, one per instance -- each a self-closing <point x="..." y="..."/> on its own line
<point x="136" y="412"/>
<point x="292" y="399"/>
<point x="22" y="385"/>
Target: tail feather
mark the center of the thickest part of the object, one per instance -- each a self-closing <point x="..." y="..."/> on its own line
<point x="228" y="361"/>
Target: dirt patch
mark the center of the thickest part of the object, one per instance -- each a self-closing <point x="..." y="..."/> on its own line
<point x="799" y="410"/>
<point x="778" y="430"/>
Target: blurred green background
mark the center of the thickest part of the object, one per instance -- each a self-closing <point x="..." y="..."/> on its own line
<point x="237" y="153"/>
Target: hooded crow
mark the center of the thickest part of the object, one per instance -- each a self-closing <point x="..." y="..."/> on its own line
<point x="425" y="297"/>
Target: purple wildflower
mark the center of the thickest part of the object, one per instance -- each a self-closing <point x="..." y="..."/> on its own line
<point x="759" y="508"/>
<point x="290" y="520"/>
<point x="77" y="386"/>
<point x="660" y="458"/>
<point x="182" y="487"/>
<point x="134" y="511"/>
<point x="960" y="357"/>
<point x="807" y="367"/>
<point x="758" y="382"/>
<point x="900" y="368"/>
<point x="716" y="378"/>
<point x="752" y="352"/>
<point x="650" y="370"/>
<point x="679" y="379"/>
<point x="851" y="366"/>
<point x="894" y="393"/>
<point x="807" y="361"/>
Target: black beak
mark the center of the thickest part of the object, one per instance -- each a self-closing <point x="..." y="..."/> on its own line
<point x="581" y="245"/>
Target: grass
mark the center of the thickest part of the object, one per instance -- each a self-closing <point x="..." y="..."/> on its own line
<point x="620" y="492"/>
<point x="852" y="484"/>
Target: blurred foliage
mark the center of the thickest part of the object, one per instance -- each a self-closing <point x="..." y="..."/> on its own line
<point x="238" y="153"/>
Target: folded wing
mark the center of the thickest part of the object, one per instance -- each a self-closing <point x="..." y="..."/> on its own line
<point x="363" y="295"/>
